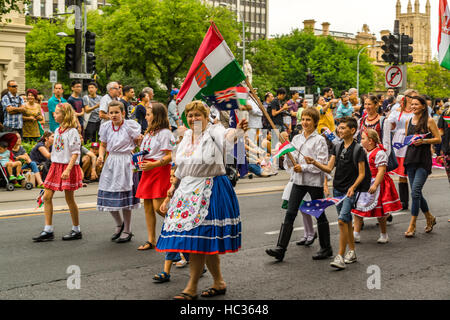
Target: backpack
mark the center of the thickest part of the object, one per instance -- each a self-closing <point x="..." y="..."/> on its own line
<point x="364" y="186"/>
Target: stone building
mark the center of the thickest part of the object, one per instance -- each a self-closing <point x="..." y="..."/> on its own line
<point x="12" y="50"/>
<point x="414" y="24"/>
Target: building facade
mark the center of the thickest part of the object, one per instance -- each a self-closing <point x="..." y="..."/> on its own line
<point x="414" y="24"/>
<point x="49" y="8"/>
<point x="12" y="50"/>
<point x="254" y="14"/>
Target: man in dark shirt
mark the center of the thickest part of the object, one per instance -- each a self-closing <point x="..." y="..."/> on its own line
<point x="128" y="95"/>
<point x="76" y="101"/>
<point x="276" y="109"/>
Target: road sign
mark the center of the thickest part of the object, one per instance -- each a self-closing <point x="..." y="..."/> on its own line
<point x="299" y="89"/>
<point x="80" y="75"/>
<point x="310" y="99"/>
<point x="53" y="76"/>
<point x="395" y="76"/>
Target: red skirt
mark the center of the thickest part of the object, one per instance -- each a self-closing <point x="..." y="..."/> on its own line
<point x="388" y="201"/>
<point x="400" y="171"/>
<point x="154" y="183"/>
<point x="55" y="183"/>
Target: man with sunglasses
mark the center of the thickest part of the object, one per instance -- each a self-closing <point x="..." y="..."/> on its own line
<point x="13" y="108"/>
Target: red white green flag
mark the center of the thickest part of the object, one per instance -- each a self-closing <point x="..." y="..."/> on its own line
<point x="446" y="119"/>
<point x="284" y="148"/>
<point x="444" y="34"/>
<point x="214" y="68"/>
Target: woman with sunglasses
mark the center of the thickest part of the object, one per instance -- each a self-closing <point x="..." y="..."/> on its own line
<point x="418" y="161"/>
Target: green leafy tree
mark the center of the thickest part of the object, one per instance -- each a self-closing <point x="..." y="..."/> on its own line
<point x="158" y="39"/>
<point x="284" y="61"/>
<point x="430" y="79"/>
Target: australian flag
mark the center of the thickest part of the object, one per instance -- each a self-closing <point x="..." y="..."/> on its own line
<point x="409" y="140"/>
<point x="138" y="157"/>
<point x="225" y="100"/>
<point x="316" y="207"/>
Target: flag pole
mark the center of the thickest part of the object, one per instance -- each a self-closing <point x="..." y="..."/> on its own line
<point x="264" y="111"/>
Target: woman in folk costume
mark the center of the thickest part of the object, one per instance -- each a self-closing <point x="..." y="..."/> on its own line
<point x="203" y="218"/>
<point x="115" y="189"/>
<point x="382" y="198"/>
<point x="398" y="117"/>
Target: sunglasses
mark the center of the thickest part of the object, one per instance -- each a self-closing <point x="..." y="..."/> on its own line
<point x="13" y="86"/>
<point x="342" y="157"/>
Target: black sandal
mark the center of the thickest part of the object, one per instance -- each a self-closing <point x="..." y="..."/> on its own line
<point x="147" y="246"/>
<point x="185" y="296"/>
<point x="212" y="292"/>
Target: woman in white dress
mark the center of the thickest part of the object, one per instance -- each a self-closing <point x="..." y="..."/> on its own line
<point x="203" y="218"/>
<point x="115" y="190"/>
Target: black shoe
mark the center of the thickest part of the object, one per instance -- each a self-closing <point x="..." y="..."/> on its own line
<point x="323" y="254"/>
<point x="115" y="236"/>
<point x="277" y="253"/>
<point x="72" y="235"/>
<point x="44" y="236"/>
<point x="310" y="242"/>
<point x="127" y="239"/>
<point x="301" y="242"/>
<point x="389" y="219"/>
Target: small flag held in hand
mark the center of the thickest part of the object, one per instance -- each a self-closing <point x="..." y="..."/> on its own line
<point x="328" y="134"/>
<point x="409" y="140"/>
<point x="138" y="157"/>
<point x="40" y="198"/>
<point x="284" y="148"/>
<point x="316" y="207"/>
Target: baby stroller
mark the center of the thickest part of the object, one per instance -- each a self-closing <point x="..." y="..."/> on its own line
<point x="11" y="139"/>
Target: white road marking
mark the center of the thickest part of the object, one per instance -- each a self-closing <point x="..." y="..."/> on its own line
<point x="331" y="224"/>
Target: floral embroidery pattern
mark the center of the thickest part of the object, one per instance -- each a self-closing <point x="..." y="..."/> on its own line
<point x="187" y="211"/>
<point x="59" y="143"/>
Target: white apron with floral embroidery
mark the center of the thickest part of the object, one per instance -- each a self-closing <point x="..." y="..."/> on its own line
<point x="189" y="205"/>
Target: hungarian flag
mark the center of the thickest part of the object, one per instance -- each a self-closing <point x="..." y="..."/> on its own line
<point x="446" y="119"/>
<point x="317" y="207"/>
<point x="284" y="148"/>
<point x="444" y="34"/>
<point x="214" y="69"/>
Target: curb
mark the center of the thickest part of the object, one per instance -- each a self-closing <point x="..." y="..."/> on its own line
<point x="93" y="205"/>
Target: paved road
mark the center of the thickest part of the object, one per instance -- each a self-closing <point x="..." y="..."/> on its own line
<point x="409" y="268"/>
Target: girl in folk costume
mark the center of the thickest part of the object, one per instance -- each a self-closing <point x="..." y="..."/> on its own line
<point x="115" y="189"/>
<point x="203" y="218"/>
<point x="64" y="173"/>
<point x="382" y="198"/>
<point x="373" y="120"/>
<point x="155" y="181"/>
<point x="398" y="117"/>
<point x="418" y="161"/>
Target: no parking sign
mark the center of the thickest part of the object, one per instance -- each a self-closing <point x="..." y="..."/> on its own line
<point x="395" y="76"/>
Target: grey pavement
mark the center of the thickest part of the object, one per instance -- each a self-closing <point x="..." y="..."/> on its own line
<point x="409" y="268"/>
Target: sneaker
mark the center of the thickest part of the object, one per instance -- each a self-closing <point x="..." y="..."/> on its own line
<point x="383" y="240"/>
<point x="20" y="177"/>
<point x="182" y="263"/>
<point x="357" y="238"/>
<point x="12" y="178"/>
<point x="338" y="262"/>
<point x="44" y="236"/>
<point x="350" y="257"/>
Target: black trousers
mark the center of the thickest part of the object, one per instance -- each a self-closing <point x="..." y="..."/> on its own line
<point x="296" y="197"/>
<point x="91" y="132"/>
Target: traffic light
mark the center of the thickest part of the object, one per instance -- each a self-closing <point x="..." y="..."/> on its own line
<point x="89" y="43"/>
<point x="391" y="48"/>
<point x="406" y="49"/>
<point x="90" y="63"/>
<point x="70" y="57"/>
<point x="310" y="79"/>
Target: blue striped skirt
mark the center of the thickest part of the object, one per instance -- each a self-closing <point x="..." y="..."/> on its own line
<point x="114" y="201"/>
<point x="219" y="233"/>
